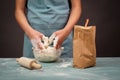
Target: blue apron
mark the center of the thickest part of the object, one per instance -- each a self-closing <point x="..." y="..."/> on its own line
<point x="48" y="16"/>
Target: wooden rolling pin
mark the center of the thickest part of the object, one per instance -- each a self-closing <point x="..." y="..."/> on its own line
<point x="28" y="63"/>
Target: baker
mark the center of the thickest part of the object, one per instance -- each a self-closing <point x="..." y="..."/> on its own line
<point x="47" y="17"/>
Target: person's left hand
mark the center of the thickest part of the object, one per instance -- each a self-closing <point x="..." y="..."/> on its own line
<point x="61" y="35"/>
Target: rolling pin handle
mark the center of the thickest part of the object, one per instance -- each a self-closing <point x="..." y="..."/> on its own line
<point x="36" y="66"/>
<point x="17" y="59"/>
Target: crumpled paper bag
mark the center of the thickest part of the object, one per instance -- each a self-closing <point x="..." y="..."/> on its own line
<point x="84" y="49"/>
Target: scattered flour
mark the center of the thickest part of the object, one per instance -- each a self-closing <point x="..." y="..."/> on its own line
<point x="64" y="65"/>
<point x="61" y="74"/>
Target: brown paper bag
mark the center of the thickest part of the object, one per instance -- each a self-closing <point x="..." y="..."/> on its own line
<point x="84" y="49"/>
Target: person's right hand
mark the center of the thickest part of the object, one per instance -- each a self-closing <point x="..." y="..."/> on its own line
<point x="36" y="37"/>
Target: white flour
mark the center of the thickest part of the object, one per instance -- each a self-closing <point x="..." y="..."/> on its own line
<point x="65" y="65"/>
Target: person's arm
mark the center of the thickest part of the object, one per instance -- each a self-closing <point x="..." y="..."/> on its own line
<point x="73" y="19"/>
<point x="22" y="21"/>
<point x="74" y="14"/>
<point x="20" y="16"/>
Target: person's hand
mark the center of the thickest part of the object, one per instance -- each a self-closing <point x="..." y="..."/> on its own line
<point x="36" y="37"/>
<point x="61" y="36"/>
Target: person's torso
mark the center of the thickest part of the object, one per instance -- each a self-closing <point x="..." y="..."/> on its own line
<point x="47" y="11"/>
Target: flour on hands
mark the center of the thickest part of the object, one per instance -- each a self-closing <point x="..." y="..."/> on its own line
<point x="48" y="53"/>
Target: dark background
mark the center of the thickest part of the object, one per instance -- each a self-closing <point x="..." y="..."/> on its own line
<point x="102" y="13"/>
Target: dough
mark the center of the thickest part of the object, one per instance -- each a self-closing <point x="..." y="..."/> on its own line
<point x="49" y="54"/>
